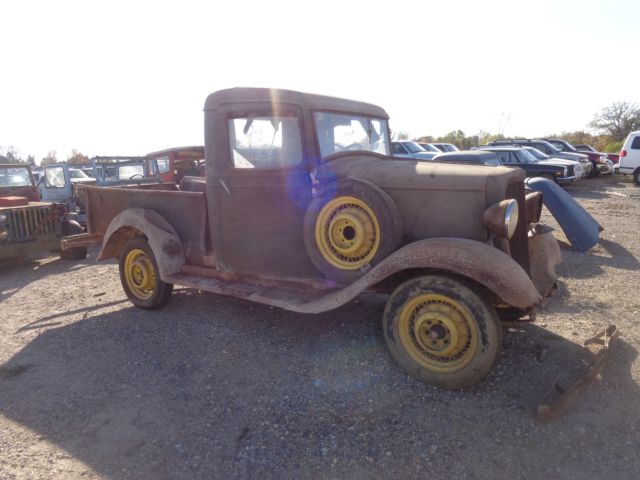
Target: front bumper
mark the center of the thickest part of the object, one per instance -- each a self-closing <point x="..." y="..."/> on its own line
<point x="606" y="168"/>
<point x="566" y="180"/>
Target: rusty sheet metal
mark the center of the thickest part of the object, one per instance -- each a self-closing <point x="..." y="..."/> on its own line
<point x="162" y="238"/>
<point x="559" y="398"/>
<point x="81" y="240"/>
<point x="478" y="261"/>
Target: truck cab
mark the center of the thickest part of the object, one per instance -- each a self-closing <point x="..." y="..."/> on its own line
<point x="303" y="207"/>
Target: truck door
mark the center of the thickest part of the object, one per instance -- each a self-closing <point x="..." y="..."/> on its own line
<point x="261" y="190"/>
<point x="55" y="184"/>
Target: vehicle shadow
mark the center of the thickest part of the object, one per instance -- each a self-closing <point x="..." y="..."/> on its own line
<point x="604" y="254"/>
<point x="233" y="389"/>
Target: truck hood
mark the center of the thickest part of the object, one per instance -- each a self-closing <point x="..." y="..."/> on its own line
<point x="433" y="199"/>
<point x="577" y="157"/>
<point x="29" y="192"/>
<point x="559" y="161"/>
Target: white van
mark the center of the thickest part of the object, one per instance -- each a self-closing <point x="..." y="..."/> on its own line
<point x="629" y="163"/>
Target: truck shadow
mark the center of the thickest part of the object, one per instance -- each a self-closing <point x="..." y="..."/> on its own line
<point x="605" y="254"/>
<point x="233" y="389"/>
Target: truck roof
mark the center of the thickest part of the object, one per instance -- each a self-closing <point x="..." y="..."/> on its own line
<point x="307" y="101"/>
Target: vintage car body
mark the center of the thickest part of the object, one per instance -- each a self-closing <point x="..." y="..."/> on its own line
<point x="178" y="162"/>
<point x="303" y="207"/>
<point x="27" y="225"/>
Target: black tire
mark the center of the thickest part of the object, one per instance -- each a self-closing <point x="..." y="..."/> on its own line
<point x="71" y="227"/>
<point x="324" y="246"/>
<point x="636" y="177"/>
<point x="417" y="323"/>
<point x="160" y="292"/>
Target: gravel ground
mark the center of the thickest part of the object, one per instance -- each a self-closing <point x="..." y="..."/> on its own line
<point x="215" y="387"/>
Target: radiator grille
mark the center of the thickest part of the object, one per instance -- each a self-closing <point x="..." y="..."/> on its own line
<point x="27" y="224"/>
<point x="519" y="244"/>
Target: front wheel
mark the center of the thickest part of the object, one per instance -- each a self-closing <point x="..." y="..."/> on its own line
<point x="441" y="331"/>
<point x="140" y="277"/>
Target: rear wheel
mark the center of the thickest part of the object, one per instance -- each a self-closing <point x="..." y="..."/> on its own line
<point x="140" y="277"/>
<point x="442" y="332"/>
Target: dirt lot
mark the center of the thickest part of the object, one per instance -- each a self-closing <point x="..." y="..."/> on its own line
<point x="214" y="387"/>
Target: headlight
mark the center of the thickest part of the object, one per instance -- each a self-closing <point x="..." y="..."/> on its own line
<point x="3" y="218"/>
<point x="502" y="218"/>
<point x="603" y="158"/>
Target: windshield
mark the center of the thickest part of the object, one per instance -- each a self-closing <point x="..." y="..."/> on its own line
<point x="413" y="147"/>
<point x="429" y="148"/>
<point x="75" y="173"/>
<point x="125" y="172"/>
<point x="537" y="153"/>
<point x="554" y="148"/>
<point x="527" y="157"/>
<point x="15" y="177"/>
<point x="344" y="133"/>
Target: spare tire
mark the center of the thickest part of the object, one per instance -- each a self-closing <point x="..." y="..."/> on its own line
<point x="350" y="228"/>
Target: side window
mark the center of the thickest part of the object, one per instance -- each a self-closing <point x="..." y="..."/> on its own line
<point x="543" y="148"/>
<point x="398" y="148"/>
<point x="54" y="177"/>
<point x="636" y="143"/>
<point x="265" y="142"/>
<point x="504" y="157"/>
<point x="163" y="164"/>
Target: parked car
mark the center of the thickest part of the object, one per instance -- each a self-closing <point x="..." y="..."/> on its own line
<point x="304" y="208"/>
<point x="27" y="225"/>
<point x="58" y="184"/>
<point x="629" y="163"/>
<point x="445" y="147"/>
<point x="469" y="157"/>
<point x="562" y="172"/>
<point x="614" y="157"/>
<point x="544" y="158"/>
<point x="408" y="149"/>
<point x="178" y="162"/>
<point x="599" y="161"/>
<point x="549" y="149"/>
<point x="429" y="147"/>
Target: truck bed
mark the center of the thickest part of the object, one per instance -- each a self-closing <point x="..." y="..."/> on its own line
<point x="186" y="211"/>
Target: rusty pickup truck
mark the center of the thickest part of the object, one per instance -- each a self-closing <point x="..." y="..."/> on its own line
<point x="303" y="207"/>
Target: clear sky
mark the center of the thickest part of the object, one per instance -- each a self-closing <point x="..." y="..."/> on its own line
<point x="127" y="77"/>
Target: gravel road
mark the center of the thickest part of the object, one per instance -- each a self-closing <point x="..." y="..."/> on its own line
<point x="219" y="388"/>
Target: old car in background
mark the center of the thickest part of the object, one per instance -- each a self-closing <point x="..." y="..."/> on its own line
<point x="614" y="157"/>
<point x="58" y="184"/>
<point x="27" y="225"/>
<point x="304" y="208"/>
<point x="599" y="161"/>
<point x="560" y="171"/>
<point x="178" y="162"/>
<point x="469" y="157"/>
<point x="124" y="170"/>
<point x="429" y="147"/>
<point x="548" y="149"/>
<point x="445" y="147"/>
<point x="629" y="163"/>
<point x="409" y="149"/>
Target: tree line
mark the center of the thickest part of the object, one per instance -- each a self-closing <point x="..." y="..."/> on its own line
<point x="12" y="155"/>
<point x="610" y="127"/>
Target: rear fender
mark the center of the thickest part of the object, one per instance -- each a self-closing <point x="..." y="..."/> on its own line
<point x="162" y="238"/>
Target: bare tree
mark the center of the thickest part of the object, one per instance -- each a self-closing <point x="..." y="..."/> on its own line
<point x="77" y="157"/>
<point x="617" y="120"/>
<point x="49" y="158"/>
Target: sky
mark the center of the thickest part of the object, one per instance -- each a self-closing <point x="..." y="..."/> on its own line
<point x="131" y="77"/>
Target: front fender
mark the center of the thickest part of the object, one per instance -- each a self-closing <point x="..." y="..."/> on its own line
<point x="482" y="263"/>
<point x="162" y="238"/>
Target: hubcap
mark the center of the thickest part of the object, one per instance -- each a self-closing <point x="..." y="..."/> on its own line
<point x="438" y="332"/>
<point x="140" y="274"/>
<point x="347" y="233"/>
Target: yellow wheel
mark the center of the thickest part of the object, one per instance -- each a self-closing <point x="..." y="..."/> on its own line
<point x="351" y="228"/>
<point x="441" y="331"/>
<point x="139" y="276"/>
<point x="347" y="233"/>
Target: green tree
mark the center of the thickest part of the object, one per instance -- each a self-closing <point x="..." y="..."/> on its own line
<point x="617" y="120"/>
<point x="10" y="156"/>
<point x="77" y="157"/>
<point x="49" y="158"/>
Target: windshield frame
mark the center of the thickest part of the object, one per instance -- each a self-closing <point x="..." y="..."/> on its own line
<point x="385" y="133"/>
<point x="21" y="167"/>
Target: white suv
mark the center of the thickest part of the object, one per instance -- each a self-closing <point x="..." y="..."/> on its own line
<point x="629" y="163"/>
